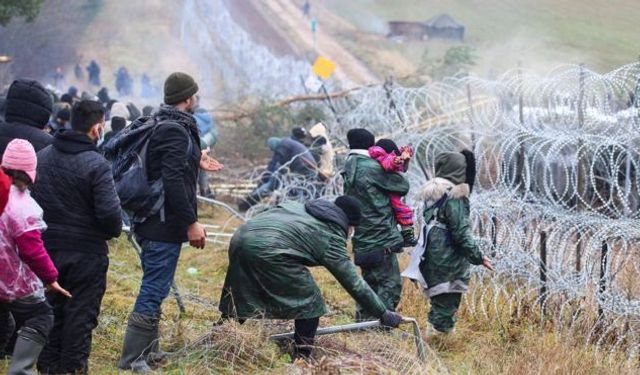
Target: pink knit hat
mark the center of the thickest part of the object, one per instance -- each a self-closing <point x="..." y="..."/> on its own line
<point x="20" y="156"/>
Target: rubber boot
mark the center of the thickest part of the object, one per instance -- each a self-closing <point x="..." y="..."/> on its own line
<point x="26" y="351"/>
<point x="142" y="332"/>
<point x="408" y="236"/>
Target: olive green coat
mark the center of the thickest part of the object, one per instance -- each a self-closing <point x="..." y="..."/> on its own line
<point x="268" y="276"/>
<point x="449" y="252"/>
<point x="365" y="179"/>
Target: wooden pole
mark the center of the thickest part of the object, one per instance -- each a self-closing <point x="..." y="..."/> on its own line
<point x="602" y="284"/>
<point x="543" y="269"/>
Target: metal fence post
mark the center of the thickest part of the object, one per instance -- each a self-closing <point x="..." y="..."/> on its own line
<point x="543" y="269"/>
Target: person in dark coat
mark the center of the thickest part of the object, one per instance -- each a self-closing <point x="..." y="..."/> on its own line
<point x="124" y="83"/>
<point x="103" y="96"/>
<point x="174" y="156"/>
<point x="75" y="189"/>
<point x="28" y="109"/>
<point x="291" y="156"/>
<point x="94" y="73"/>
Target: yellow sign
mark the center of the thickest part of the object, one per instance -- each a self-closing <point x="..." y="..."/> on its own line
<point x="323" y="68"/>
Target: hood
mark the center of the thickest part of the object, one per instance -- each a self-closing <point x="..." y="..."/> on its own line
<point x="204" y="120"/>
<point x="73" y="142"/>
<point x="28" y="103"/>
<point x="435" y="189"/>
<point x="318" y="130"/>
<point x="328" y="212"/>
<point x="120" y="110"/>
<point x="452" y="166"/>
<point x="170" y="113"/>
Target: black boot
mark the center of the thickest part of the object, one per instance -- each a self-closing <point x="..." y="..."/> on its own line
<point x="142" y="332"/>
<point x="244" y="204"/>
<point x="304" y="337"/>
<point x="408" y="236"/>
<point x="26" y="351"/>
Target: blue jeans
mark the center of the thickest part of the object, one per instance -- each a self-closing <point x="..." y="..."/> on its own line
<point x="159" y="262"/>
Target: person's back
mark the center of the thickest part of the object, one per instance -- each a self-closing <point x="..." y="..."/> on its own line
<point x="27" y="112"/>
<point x="301" y="160"/>
<point x="377" y="237"/>
<point x="75" y="188"/>
<point x="173" y="157"/>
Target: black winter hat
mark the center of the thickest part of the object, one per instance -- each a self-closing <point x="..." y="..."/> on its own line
<point x="179" y="87"/>
<point x="388" y="145"/>
<point x="351" y="207"/>
<point x="360" y="139"/>
<point x="64" y="114"/>
<point x="118" y="123"/>
<point x="299" y="133"/>
<point x="66" y="98"/>
<point x="28" y="103"/>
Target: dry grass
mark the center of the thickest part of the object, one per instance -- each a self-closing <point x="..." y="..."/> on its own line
<point x="493" y="344"/>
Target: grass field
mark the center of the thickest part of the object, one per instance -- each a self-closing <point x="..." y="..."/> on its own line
<point x="493" y="344"/>
<point x="541" y="34"/>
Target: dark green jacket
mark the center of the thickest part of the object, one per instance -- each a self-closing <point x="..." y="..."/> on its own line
<point x="451" y="247"/>
<point x="365" y="179"/>
<point x="268" y="259"/>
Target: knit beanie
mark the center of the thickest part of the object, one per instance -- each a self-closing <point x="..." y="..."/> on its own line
<point x="274" y="143"/>
<point x="388" y="145"/>
<point x="351" y="207"/>
<point x="452" y="166"/>
<point x="118" y="123"/>
<point x="20" y="156"/>
<point x="179" y="87"/>
<point x="360" y="139"/>
<point x="299" y="133"/>
<point x="64" y="114"/>
<point x="318" y="130"/>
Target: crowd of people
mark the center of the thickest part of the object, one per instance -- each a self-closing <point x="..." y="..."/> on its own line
<point x="67" y="183"/>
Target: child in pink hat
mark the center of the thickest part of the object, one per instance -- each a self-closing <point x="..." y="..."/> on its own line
<point x="24" y="263"/>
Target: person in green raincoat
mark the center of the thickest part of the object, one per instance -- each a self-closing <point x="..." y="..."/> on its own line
<point x="377" y="238"/>
<point x="450" y="248"/>
<point x="268" y="276"/>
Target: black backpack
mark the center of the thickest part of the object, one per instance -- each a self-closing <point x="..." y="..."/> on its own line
<point x="127" y="151"/>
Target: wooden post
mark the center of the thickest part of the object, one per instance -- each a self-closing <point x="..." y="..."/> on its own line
<point x="543" y="269"/>
<point x="581" y="183"/>
<point x="494" y="235"/>
<point x="602" y="285"/>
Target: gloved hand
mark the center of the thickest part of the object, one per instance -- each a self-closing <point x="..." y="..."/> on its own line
<point x="391" y="319"/>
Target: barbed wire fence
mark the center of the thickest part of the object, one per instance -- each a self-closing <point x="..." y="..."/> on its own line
<point x="555" y="206"/>
<point x="557" y="192"/>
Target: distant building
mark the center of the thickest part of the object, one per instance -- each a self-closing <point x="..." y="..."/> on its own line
<point x="442" y="26"/>
<point x="409" y="30"/>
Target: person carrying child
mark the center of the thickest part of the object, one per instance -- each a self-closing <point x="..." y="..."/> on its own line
<point x="393" y="160"/>
<point x="24" y="264"/>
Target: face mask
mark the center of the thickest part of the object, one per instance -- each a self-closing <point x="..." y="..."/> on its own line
<point x="100" y="135"/>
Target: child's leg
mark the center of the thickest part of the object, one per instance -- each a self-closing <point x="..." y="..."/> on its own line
<point x="7" y="326"/>
<point x="402" y="212"/>
<point x="442" y="315"/>
<point x="32" y="336"/>
<point x="404" y="217"/>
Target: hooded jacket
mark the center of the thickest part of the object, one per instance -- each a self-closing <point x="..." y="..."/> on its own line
<point x="27" y="112"/>
<point x="268" y="276"/>
<point x="76" y="191"/>
<point x="365" y="180"/>
<point x="169" y="159"/>
<point x="450" y="246"/>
